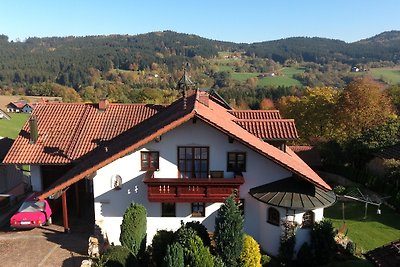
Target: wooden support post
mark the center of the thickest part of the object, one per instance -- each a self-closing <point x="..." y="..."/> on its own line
<point x="65" y="212"/>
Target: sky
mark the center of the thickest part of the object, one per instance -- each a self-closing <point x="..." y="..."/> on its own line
<point x="245" y="21"/>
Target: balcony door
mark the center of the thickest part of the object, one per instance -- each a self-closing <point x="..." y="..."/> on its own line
<point x="193" y="161"/>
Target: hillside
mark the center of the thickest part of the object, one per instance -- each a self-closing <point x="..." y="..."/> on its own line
<point x="74" y="61"/>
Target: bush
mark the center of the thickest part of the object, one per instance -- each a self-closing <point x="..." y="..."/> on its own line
<point x="201" y="231"/>
<point x="305" y="256"/>
<point x="119" y="256"/>
<point x="288" y="241"/>
<point x="174" y="256"/>
<point x="339" y="189"/>
<point x="183" y="235"/>
<point x="133" y="229"/>
<point x="250" y="256"/>
<point x="197" y="254"/>
<point x="229" y="232"/>
<point x="218" y="262"/>
<point x="159" y="245"/>
<point x="323" y="241"/>
<point x="265" y="259"/>
<point x="351" y="247"/>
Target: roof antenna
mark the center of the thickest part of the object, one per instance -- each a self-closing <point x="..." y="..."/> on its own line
<point x="184" y="83"/>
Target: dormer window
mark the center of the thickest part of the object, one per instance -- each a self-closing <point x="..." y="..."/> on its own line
<point x="149" y="160"/>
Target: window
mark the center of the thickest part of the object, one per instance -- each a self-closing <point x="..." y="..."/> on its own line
<point x="198" y="209"/>
<point x="273" y="216"/>
<point x="149" y="160"/>
<point x="168" y="210"/>
<point x="308" y="219"/>
<point x="193" y="162"/>
<point x="236" y="162"/>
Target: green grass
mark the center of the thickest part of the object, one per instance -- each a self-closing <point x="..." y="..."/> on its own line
<point x="10" y="128"/>
<point x="286" y="79"/>
<point x="389" y="75"/>
<point x="375" y="231"/>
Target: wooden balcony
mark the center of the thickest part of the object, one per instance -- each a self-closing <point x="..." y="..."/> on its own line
<point x="190" y="190"/>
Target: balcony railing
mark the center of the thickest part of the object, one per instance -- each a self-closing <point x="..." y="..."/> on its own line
<point x="190" y="190"/>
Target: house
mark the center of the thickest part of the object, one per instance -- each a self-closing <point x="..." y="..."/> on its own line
<point x="180" y="161"/>
<point x="16" y="106"/>
<point x="376" y="164"/>
<point x="309" y="154"/>
<point x="12" y="182"/>
<point x="28" y="107"/>
<point x="4" y="115"/>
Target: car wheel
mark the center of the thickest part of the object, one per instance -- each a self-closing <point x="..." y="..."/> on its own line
<point x="49" y="221"/>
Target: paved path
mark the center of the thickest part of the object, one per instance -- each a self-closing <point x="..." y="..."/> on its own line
<point x="45" y="246"/>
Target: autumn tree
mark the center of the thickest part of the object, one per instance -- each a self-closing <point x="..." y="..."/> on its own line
<point x="313" y="112"/>
<point x="267" y="104"/>
<point x="362" y="105"/>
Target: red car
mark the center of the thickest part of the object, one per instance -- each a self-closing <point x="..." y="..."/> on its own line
<point x="32" y="213"/>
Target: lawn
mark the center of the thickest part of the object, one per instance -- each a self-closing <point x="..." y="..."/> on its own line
<point x="389" y="75"/>
<point x="11" y="128"/>
<point x="375" y="231"/>
<point x="286" y="79"/>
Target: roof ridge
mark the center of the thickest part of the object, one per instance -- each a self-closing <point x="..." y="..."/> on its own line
<point x="266" y="120"/>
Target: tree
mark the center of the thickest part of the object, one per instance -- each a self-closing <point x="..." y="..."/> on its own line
<point x="133" y="229"/>
<point x="362" y="105"/>
<point x="174" y="256"/>
<point x="250" y="256"/>
<point x="323" y="242"/>
<point x="267" y="104"/>
<point x="159" y="245"/>
<point x="198" y="255"/>
<point x="229" y="232"/>
<point x="313" y="112"/>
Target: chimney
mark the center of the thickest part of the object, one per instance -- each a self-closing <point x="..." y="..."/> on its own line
<point x="33" y="128"/>
<point x="103" y="104"/>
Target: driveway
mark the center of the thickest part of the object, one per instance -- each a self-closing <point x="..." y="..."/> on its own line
<point x="45" y="246"/>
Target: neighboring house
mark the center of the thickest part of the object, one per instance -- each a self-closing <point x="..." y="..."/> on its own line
<point x="4" y="115"/>
<point x="28" y="107"/>
<point x="180" y="161"/>
<point x="375" y="165"/>
<point x="11" y="177"/>
<point x="16" y="106"/>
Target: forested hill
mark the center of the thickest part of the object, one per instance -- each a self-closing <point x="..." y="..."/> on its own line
<point x="69" y="60"/>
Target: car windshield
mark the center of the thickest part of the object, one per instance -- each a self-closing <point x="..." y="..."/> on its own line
<point x="32" y="206"/>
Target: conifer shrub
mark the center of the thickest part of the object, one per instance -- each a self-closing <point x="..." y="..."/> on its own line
<point x="159" y="245"/>
<point x="184" y="234"/>
<point x="197" y="255"/>
<point x="119" y="256"/>
<point x="250" y="256"/>
<point x="201" y="231"/>
<point x="265" y="260"/>
<point x="229" y="232"/>
<point x="174" y="256"/>
<point x="133" y="229"/>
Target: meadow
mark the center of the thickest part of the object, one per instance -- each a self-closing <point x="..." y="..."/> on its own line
<point x="11" y="128"/>
<point x="388" y="75"/>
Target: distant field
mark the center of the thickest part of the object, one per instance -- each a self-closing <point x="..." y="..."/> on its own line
<point x="286" y="79"/>
<point x="11" y="128"/>
<point x="389" y="75"/>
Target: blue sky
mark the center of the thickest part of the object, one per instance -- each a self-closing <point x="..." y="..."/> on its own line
<point x="237" y="21"/>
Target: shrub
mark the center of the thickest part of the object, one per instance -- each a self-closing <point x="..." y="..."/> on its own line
<point x="197" y="254"/>
<point x="201" y="231"/>
<point x="119" y="256"/>
<point x="174" y="256"/>
<point x="305" y="256"/>
<point x="339" y="189"/>
<point x="159" y="245"/>
<point x="133" y="229"/>
<point x="351" y="247"/>
<point x="183" y="235"/>
<point x="250" y="256"/>
<point x="323" y="242"/>
<point x="229" y="232"/>
<point x="265" y="259"/>
<point x="288" y="241"/>
<point x="218" y="262"/>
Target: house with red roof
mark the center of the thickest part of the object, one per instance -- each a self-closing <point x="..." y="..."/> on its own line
<point x="180" y="161"/>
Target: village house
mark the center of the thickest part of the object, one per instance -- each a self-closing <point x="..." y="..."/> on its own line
<point x="180" y="161"/>
<point x="4" y="115"/>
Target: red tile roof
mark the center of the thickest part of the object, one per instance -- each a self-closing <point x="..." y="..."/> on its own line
<point x="69" y="131"/>
<point x="18" y="104"/>
<point x="308" y="154"/>
<point x="256" y="114"/>
<point x="170" y="118"/>
<point x="272" y="129"/>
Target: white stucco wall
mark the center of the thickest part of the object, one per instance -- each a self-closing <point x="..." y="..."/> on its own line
<point x="110" y="204"/>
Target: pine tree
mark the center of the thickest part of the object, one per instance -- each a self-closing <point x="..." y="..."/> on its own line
<point x="174" y="256"/>
<point x="229" y="232"/>
<point x="133" y="229"/>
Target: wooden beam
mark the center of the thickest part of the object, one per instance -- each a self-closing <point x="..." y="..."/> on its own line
<point x="65" y="212"/>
